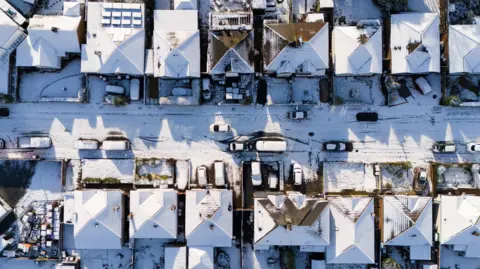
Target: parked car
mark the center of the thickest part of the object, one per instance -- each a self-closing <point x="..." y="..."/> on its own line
<point x="472" y="147"/>
<point x="422" y="85"/>
<point x="123" y="144"/>
<point x="367" y="116"/>
<point x="220" y="128"/>
<point x="297" y="174"/>
<point x="219" y="173"/>
<point x="4" y="112"/>
<point x="114" y="89"/>
<point x="256" y="174"/>
<point x="422" y="180"/>
<point x="202" y="176"/>
<point x="337" y="146"/>
<point x="28" y="142"/>
<point x="86" y="144"/>
<point x="236" y="146"/>
<point x="297" y="115"/>
<point x="207" y="94"/>
<point x="2" y="144"/>
<point x="272" y="181"/>
<point x="269" y="145"/>
<point x="444" y="147"/>
<point x="134" y="89"/>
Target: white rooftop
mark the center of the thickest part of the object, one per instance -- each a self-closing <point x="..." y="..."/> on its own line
<point x="154" y="213"/>
<point x="420" y="33"/>
<point x="200" y="258"/>
<point x="309" y="221"/>
<point x="464" y="48"/>
<point x="185" y="4"/>
<point x="99" y="219"/>
<point x="41" y="47"/>
<point x="11" y="35"/>
<point x="352" y="231"/>
<point x="115" y="39"/>
<point x="175" y="258"/>
<point x="176" y="44"/>
<point x="460" y="223"/>
<point x="354" y="58"/>
<point x="208" y="218"/>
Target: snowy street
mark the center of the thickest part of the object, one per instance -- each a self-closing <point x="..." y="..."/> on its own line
<point x="400" y="134"/>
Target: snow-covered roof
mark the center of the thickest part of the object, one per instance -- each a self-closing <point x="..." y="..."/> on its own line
<point x="72" y="9"/>
<point x="41" y="47"/>
<point x="357" y="51"/>
<point x="415" y="43"/>
<point x="352" y="231"/>
<point x="185" y="4"/>
<point x="175" y="258"/>
<point x="292" y="220"/>
<point x="9" y="9"/>
<point x="296" y="48"/>
<point x="154" y="213"/>
<point x="407" y="221"/>
<point x="115" y="39"/>
<point x="200" y="257"/>
<point x="208" y="218"/>
<point x="99" y="219"/>
<point x="5" y="209"/>
<point x="176" y="44"/>
<point x="230" y="51"/>
<point x="464" y="48"/>
<point x="11" y="35"/>
<point x="460" y="223"/>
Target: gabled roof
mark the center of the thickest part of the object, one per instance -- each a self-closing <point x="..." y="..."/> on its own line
<point x="356" y="57"/>
<point x="41" y="47"/>
<point x="176" y="44"/>
<point x="208" y="218"/>
<point x="460" y="223"/>
<point x="407" y="220"/>
<point x="352" y="229"/>
<point x="415" y="43"/>
<point x="302" y="46"/>
<point x="99" y="219"/>
<point x="230" y="51"/>
<point x="200" y="257"/>
<point x="185" y="4"/>
<point x="464" y="48"/>
<point x="11" y="35"/>
<point x="291" y="220"/>
<point x="154" y="213"/>
<point x="114" y="45"/>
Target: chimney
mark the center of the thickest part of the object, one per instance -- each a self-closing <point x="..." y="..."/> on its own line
<point x="55" y="29"/>
<point x="289" y="224"/>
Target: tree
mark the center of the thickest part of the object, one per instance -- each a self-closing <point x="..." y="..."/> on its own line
<point x="392" y="6"/>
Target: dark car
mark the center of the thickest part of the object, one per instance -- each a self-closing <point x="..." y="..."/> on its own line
<point x="4" y="112"/>
<point x="367" y="116"/>
<point x="337" y="146"/>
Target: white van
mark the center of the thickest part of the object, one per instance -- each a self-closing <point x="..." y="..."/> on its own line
<point x="116" y="145"/>
<point x="114" y="89"/>
<point x="271" y="145"/>
<point x="219" y="174"/>
<point x="86" y="144"/>
<point x="27" y="142"/>
<point x="134" y="89"/>
<point x="272" y="181"/>
<point x="256" y="174"/>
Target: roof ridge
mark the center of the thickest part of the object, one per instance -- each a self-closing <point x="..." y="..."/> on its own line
<point x="118" y="47"/>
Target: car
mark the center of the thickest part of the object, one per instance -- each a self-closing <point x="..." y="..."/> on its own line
<point x="220" y="128"/>
<point x="202" y="176"/>
<point x="236" y="146"/>
<point x="256" y="174"/>
<point x="297" y="174"/>
<point x="367" y="116"/>
<point x="472" y="147"/>
<point x="422" y="85"/>
<point x="422" y="180"/>
<point x="30" y="142"/>
<point x="444" y="147"/>
<point x="297" y="115"/>
<point x="272" y="181"/>
<point x="219" y="174"/>
<point x="2" y="144"/>
<point x="337" y="146"/>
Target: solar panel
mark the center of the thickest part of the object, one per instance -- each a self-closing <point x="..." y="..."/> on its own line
<point x="126" y="13"/>
<point x="126" y="21"/>
<point x="117" y="5"/>
<point x="116" y="21"/>
<point x="137" y="14"/>
<point x="137" y="22"/>
<point x="106" y="13"/>
<point x="117" y="14"/>
<point x="105" y="21"/>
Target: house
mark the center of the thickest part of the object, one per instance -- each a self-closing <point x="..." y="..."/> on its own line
<point x="357" y="50"/>
<point x="407" y="222"/>
<point x="460" y="224"/>
<point x="200" y="258"/>
<point x="11" y="35"/>
<point x="115" y="39"/>
<point x="185" y="4"/>
<point x="153" y="214"/>
<point x="176" y="44"/>
<point x="291" y="220"/>
<point x="352" y="231"/>
<point x="175" y="257"/>
<point x="464" y="49"/>
<point x="296" y="48"/>
<point x="307" y="6"/>
<point x="415" y="43"/>
<point x="208" y="218"/>
<point x="98" y="222"/>
<point x="41" y="48"/>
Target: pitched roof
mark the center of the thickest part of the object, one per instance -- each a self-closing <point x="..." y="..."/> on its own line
<point x="154" y="213"/>
<point x="176" y="44"/>
<point x="11" y="35"/>
<point x="185" y="4"/>
<point x="464" y="48"/>
<point x="230" y="50"/>
<point x="407" y="220"/>
<point x="353" y="57"/>
<point x="282" y="46"/>
<point x="98" y="223"/>
<point x="114" y="45"/>
<point x="200" y="257"/>
<point x="352" y="238"/>
<point x="415" y="43"/>
<point x="208" y="218"/>
<point x="460" y="223"/>
<point x="291" y="220"/>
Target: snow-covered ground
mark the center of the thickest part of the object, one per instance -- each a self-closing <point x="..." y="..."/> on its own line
<point x="351" y="11"/>
<point x="449" y="259"/>
<point x="366" y="90"/>
<point x="340" y="176"/>
<point x="119" y="169"/>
